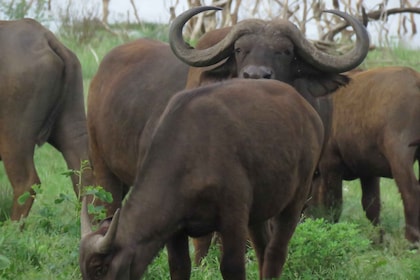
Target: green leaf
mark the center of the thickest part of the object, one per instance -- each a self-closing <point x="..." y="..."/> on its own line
<point x="68" y="173"/>
<point x="37" y="188"/>
<point x="22" y="199"/>
<point x="58" y="200"/>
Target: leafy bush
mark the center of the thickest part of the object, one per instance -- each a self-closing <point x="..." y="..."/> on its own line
<point x="321" y="250"/>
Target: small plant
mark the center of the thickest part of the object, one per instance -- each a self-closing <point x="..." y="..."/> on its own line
<point x="318" y="249"/>
<point x="97" y="192"/>
<point x="98" y="211"/>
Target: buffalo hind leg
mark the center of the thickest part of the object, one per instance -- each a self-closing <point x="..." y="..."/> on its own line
<point x="20" y="169"/>
<point x="332" y="201"/>
<point x="282" y="228"/>
<point x="401" y="163"/>
<point x="178" y="257"/>
<point x="327" y="190"/>
<point x="70" y="138"/>
<point x="106" y="179"/>
<point x="234" y="236"/>
<point x="259" y="234"/>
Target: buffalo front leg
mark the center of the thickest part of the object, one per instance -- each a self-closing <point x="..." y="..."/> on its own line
<point x="371" y="198"/>
<point x="371" y="201"/>
<point x="178" y="257"/>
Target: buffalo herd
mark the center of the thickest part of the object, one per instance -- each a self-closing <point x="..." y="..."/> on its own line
<point x="238" y="135"/>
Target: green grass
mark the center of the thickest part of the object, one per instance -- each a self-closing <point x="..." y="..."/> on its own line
<point x="48" y="246"/>
<point x="393" y="56"/>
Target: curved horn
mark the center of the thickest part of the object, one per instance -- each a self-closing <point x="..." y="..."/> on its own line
<point x="214" y="54"/>
<point x="104" y="244"/>
<point x="85" y="225"/>
<point x="333" y="63"/>
<point x="320" y="60"/>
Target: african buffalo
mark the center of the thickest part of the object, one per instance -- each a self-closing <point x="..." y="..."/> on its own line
<point x="135" y="81"/>
<point x="224" y="157"/>
<point x="375" y="123"/>
<point x="41" y="97"/>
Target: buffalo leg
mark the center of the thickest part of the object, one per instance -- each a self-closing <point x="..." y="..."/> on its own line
<point x="371" y="201"/>
<point x="20" y="168"/>
<point x="409" y="188"/>
<point x="178" y="257"/>
<point x="332" y="195"/>
<point x="282" y="229"/>
<point x="327" y="189"/>
<point x="69" y="138"/>
<point x="201" y="247"/>
<point x="371" y="198"/>
<point x="259" y="236"/>
<point x="410" y="193"/>
<point x="106" y="179"/>
<point x="234" y="237"/>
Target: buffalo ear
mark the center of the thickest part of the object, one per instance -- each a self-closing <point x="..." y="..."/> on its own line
<point x="226" y="69"/>
<point x="321" y="84"/>
<point x="309" y="80"/>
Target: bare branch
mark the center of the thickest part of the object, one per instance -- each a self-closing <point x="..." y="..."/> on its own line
<point x="136" y="15"/>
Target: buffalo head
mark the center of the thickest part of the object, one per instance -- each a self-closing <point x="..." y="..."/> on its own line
<point x="94" y="266"/>
<point x="274" y="49"/>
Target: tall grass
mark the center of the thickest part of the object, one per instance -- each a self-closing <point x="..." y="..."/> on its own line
<point x="47" y="248"/>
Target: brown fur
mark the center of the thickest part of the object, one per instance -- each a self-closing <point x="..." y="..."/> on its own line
<point x="127" y="95"/>
<point x="225" y="157"/>
<point x="41" y="97"/>
<point x="375" y="119"/>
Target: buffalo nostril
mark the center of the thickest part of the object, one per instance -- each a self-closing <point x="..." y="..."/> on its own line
<point x="257" y="72"/>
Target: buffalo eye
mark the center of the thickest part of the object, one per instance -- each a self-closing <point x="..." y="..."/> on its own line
<point x="98" y="273"/>
<point x="316" y="173"/>
<point x="238" y="50"/>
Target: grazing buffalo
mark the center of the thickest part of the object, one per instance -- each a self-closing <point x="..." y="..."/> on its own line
<point x="135" y="81"/>
<point x="375" y="125"/>
<point x="224" y="157"/>
<point x="41" y="97"/>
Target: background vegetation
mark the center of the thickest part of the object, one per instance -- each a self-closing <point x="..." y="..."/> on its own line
<point x="47" y="248"/>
